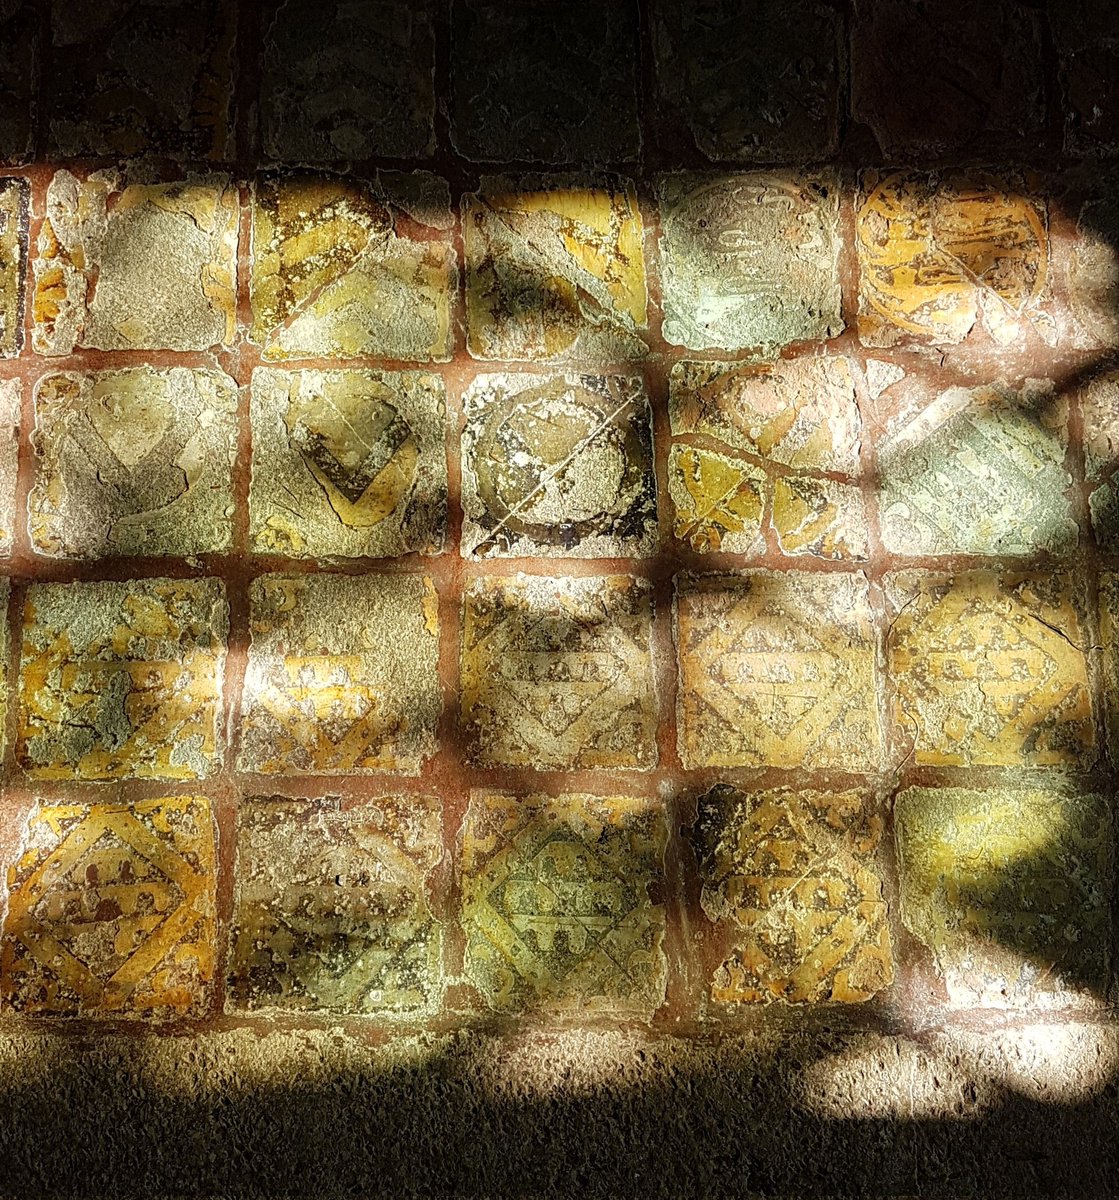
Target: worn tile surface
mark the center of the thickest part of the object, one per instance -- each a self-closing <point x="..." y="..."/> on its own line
<point x="558" y="465"/>
<point x="348" y="81"/>
<point x="341" y="677"/>
<point x="346" y="267"/>
<point x="558" y="672"/>
<point x="11" y="392"/>
<point x="1010" y="889"/>
<point x="718" y="500"/>
<point x="979" y="471"/>
<point x="554" y="269"/>
<point x="990" y="668"/>
<point x="563" y="902"/>
<point x="545" y="81"/>
<point x="133" y="462"/>
<point x="792" y="882"/>
<point x="1099" y="405"/>
<point x="941" y="254"/>
<point x="122" y="680"/>
<point x="20" y="55"/>
<point x="111" y="911"/>
<point x="13" y="263"/>
<point x="1093" y="269"/>
<point x="330" y="912"/>
<point x="776" y="669"/>
<point x="757" y="84"/>
<point x="130" y="78"/>
<point x="821" y="518"/>
<point x="124" y="265"/>
<point x="749" y="260"/>
<point x="1109" y="629"/>
<point x="347" y="463"/>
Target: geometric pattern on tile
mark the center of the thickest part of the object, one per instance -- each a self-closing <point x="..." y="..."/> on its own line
<point x="939" y="254"/>
<point x="122" y="680"/>
<point x="559" y="906"/>
<point x="11" y="395"/>
<point x="776" y="669"/>
<point x="347" y="463"/>
<point x="718" y="501"/>
<point x="342" y="675"/>
<point x="979" y="471"/>
<point x="558" y="673"/>
<point x="133" y="462"/>
<point x="330" y="913"/>
<point x="791" y="881"/>
<point x="749" y="261"/>
<point x="990" y="669"/>
<point x="345" y="267"/>
<point x="123" y="265"/>
<point x="554" y="269"/>
<point x="820" y="517"/>
<point x="1010" y="889"/>
<point x="111" y="911"/>
<point x="13" y="263"/>
<point x="560" y="466"/>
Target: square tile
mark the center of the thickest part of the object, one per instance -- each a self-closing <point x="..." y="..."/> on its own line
<point x="776" y="670"/>
<point x="1099" y="406"/>
<point x="990" y="668"/>
<point x="940" y="255"/>
<point x="562" y="902"/>
<point x="11" y="394"/>
<point x="330" y="908"/>
<point x="820" y="518"/>
<point x="559" y="466"/>
<point x="154" y="77"/>
<point x="13" y="263"/>
<point x="19" y="64"/>
<point x="1109" y="629"/>
<point x="752" y="84"/>
<point x="558" y="673"/>
<point x="554" y="269"/>
<point x="348" y="464"/>
<point x="111" y="911"/>
<point x="136" y="266"/>
<point x="1010" y="889"/>
<point x="792" y="883"/>
<point x="979" y="471"/>
<point x="718" y="501"/>
<point x="346" y="267"/>
<point x="133" y="462"/>
<point x="342" y="677"/>
<point x="348" y="82"/>
<point x="122" y="680"/>
<point x="545" y="81"/>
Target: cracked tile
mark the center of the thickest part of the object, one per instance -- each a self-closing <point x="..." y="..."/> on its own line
<point x="331" y="911"/>
<point x="11" y="394"/>
<point x="718" y="501"/>
<point x="342" y="675"/>
<point x="558" y="673"/>
<point x="749" y="260"/>
<point x="13" y="263"/>
<point x="111" y="911"/>
<point x="348" y="463"/>
<point x="560" y="466"/>
<point x="122" y="680"/>
<point x="133" y="462"/>
<point x="345" y="268"/>
<point x="792" y="885"/>
<point x="20" y="57"/>
<point x="563" y="902"/>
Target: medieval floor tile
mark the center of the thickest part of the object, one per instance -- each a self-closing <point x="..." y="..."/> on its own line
<point x="554" y="269"/>
<point x="321" y="104"/>
<point x="777" y="670"/>
<point x="793" y="886"/>
<point x="1109" y="629"/>
<point x="718" y="500"/>
<point x="133" y="462"/>
<point x="1093" y="268"/>
<point x="151" y="77"/>
<point x="342" y="677"/>
<point x="823" y="518"/>
<point x="348" y="267"/>
<point x="11" y="392"/>
<point x="989" y="669"/>
<point x="13" y="263"/>
<point x="111" y="911"/>
<point x="1010" y="889"/>
<point x="19" y="58"/>
<point x="563" y="902"/>
<point x="558" y="465"/>
<point x="546" y="81"/>
<point x="1099" y="404"/>
<point x="979" y="67"/>
<point x="939" y="255"/>
<point x="6" y="671"/>
<point x="749" y="260"/>
<point x="558" y="672"/>
<point x="348" y="463"/>
<point x="752" y="84"/>
<point x="979" y="471"/>
<point x="330" y="913"/>
<point x="122" y="680"/>
<point x="135" y="266"/>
